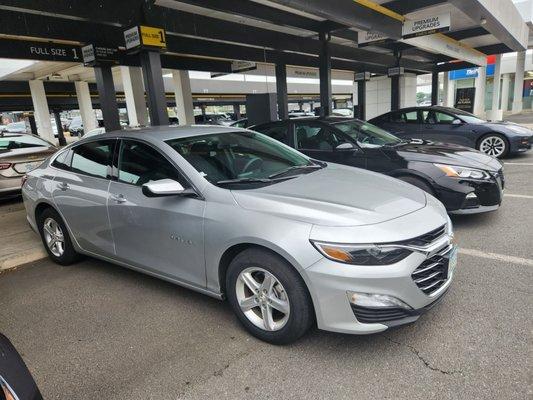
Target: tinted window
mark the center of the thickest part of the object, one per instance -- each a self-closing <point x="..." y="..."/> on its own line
<point x="63" y="160"/>
<point x="437" y="117"/>
<point x="366" y="134"/>
<point x="93" y="158"/>
<point x="21" y="142"/>
<point x="140" y="163"/>
<point x="313" y="136"/>
<point x="278" y="132"/>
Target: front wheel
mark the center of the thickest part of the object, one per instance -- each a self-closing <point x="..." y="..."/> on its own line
<point x="268" y="296"/>
<point x="494" y="145"/>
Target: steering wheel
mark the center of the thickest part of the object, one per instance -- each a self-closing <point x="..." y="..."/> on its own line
<point x="252" y="164"/>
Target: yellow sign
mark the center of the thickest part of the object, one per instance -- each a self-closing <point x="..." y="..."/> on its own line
<point x="151" y="36"/>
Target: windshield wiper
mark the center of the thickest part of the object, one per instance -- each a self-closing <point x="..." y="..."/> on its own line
<point x="296" y="168"/>
<point x="243" y="180"/>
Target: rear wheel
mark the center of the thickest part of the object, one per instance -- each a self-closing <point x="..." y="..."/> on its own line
<point x="494" y="145"/>
<point x="268" y="296"/>
<point x="55" y="237"/>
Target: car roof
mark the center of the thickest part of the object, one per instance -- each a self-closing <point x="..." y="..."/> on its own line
<point x="328" y="119"/>
<point x="434" y="108"/>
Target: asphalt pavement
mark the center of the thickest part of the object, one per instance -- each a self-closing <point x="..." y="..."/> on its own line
<point x="95" y="330"/>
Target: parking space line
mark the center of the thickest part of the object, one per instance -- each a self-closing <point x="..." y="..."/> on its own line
<point x="518" y="163"/>
<point x="497" y="257"/>
<point x="520" y="196"/>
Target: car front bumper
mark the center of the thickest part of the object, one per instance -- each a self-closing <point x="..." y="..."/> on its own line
<point x="331" y="282"/>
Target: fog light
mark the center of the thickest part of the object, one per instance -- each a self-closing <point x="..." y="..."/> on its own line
<point x="375" y="300"/>
<point x="471" y="201"/>
<point x="471" y="196"/>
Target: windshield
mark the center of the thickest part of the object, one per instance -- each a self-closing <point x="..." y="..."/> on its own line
<point x="21" y="142"/>
<point x="248" y="157"/>
<point x="367" y="135"/>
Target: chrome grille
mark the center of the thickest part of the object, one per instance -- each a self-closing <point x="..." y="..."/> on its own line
<point x="433" y="272"/>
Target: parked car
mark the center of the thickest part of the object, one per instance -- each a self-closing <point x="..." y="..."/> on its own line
<point x="450" y="125"/>
<point x="465" y="180"/>
<point x="76" y="126"/>
<point x="17" y="127"/>
<point x="240" y="123"/>
<point x="19" y="154"/>
<point x="212" y="119"/>
<point x="235" y="214"/>
<point x="94" y="132"/>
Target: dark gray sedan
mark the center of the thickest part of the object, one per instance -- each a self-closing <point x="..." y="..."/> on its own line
<point x="450" y="125"/>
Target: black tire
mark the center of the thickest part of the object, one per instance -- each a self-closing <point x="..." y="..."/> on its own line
<point x="506" y="149"/>
<point x="69" y="255"/>
<point x="419" y="183"/>
<point x="301" y="315"/>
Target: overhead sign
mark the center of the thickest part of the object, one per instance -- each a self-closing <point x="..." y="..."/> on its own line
<point x="94" y="55"/>
<point x="426" y="26"/>
<point x="242" y="66"/>
<point x="367" y="38"/>
<point x="362" y="76"/>
<point x="467" y="73"/>
<point x="32" y="50"/>
<point x="145" y="37"/>
<point x="303" y="73"/>
<point x="441" y="44"/>
<point x="395" y="71"/>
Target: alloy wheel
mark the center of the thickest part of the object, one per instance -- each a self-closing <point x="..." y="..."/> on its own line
<point x="262" y="298"/>
<point x="53" y="235"/>
<point x="493" y="146"/>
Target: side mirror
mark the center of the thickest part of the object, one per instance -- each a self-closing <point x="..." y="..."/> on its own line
<point x="346" y="146"/>
<point x="164" y="187"/>
<point x="457" y="121"/>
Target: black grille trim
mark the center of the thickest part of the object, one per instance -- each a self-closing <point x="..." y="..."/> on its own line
<point x="425" y="239"/>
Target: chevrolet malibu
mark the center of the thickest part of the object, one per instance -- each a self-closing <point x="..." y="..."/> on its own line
<point x="288" y="240"/>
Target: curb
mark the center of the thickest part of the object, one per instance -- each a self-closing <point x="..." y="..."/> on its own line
<point x="17" y="261"/>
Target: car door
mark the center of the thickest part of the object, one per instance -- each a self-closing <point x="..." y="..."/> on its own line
<point x="163" y="235"/>
<point x="442" y="127"/>
<point x="404" y="124"/>
<point x="320" y="141"/>
<point x="80" y="192"/>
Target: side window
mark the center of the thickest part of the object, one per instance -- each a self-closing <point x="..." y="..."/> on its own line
<point x="443" y="118"/>
<point x="278" y="132"/>
<point x="310" y="136"/>
<point x="62" y="161"/>
<point x="139" y="163"/>
<point x="410" y="117"/>
<point x="93" y="158"/>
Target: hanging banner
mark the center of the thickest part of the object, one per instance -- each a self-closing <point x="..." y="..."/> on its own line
<point x="464" y="99"/>
<point x="362" y="76"/>
<point x="368" y="38"/>
<point x="426" y="26"/>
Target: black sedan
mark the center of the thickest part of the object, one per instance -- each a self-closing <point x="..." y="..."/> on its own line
<point x="464" y="180"/>
<point x="450" y="125"/>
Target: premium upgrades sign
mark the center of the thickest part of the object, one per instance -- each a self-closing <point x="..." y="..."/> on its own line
<point x="367" y="38"/>
<point x="426" y="26"/>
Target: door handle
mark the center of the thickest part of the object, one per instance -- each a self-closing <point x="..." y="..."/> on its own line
<point x="118" y="198"/>
<point x="63" y="186"/>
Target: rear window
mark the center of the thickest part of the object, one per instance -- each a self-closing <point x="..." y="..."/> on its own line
<point x="21" y="142"/>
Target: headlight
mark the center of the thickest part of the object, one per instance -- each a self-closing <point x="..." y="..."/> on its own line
<point x="462" y="172"/>
<point x="367" y="254"/>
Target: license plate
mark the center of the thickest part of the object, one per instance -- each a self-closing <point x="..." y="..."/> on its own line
<point x="452" y="262"/>
<point x="31" y="166"/>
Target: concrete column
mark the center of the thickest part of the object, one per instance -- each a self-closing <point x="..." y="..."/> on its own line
<point x="183" y="94"/>
<point x="519" y="81"/>
<point x="41" y="111"/>
<point x="85" y="106"/>
<point x="108" y="97"/>
<point x="434" y="88"/>
<point x="506" y="80"/>
<point x="325" y="74"/>
<point x="59" y="128"/>
<point x="132" y="80"/>
<point x="448" y="91"/>
<point x="154" y="86"/>
<point x="480" y="84"/>
<point x="361" y="99"/>
<point x="496" y="112"/>
<point x="281" y="89"/>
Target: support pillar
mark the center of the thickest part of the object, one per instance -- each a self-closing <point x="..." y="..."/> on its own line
<point x="41" y="111"/>
<point x="325" y="74"/>
<point x="132" y="80"/>
<point x="155" y="89"/>
<point x="237" y="111"/>
<point x="85" y="106"/>
<point x="519" y="82"/>
<point x="107" y="96"/>
<point x="59" y="127"/>
<point x="361" y="99"/>
<point x="480" y="84"/>
<point x="434" y="88"/>
<point x="506" y="80"/>
<point x="448" y="92"/>
<point x="281" y="89"/>
<point x="33" y="125"/>
<point x="183" y="95"/>
<point x="495" y="112"/>
<point x="395" y="92"/>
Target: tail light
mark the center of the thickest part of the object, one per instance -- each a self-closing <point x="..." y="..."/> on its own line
<point x="5" y="166"/>
<point x="23" y="180"/>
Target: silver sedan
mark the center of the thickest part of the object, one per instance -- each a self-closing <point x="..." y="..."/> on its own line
<point x="231" y="213"/>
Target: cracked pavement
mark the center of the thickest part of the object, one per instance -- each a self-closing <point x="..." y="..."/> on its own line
<point x="95" y="330"/>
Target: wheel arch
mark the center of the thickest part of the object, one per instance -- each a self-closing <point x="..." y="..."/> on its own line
<point x="483" y="136"/>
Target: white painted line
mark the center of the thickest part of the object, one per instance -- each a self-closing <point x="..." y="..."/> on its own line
<point x="497" y="257"/>
<point x="518" y="163"/>
<point x="520" y="196"/>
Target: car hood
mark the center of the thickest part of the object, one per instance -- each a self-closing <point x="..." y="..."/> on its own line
<point x="335" y="196"/>
<point x="445" y="153"/>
